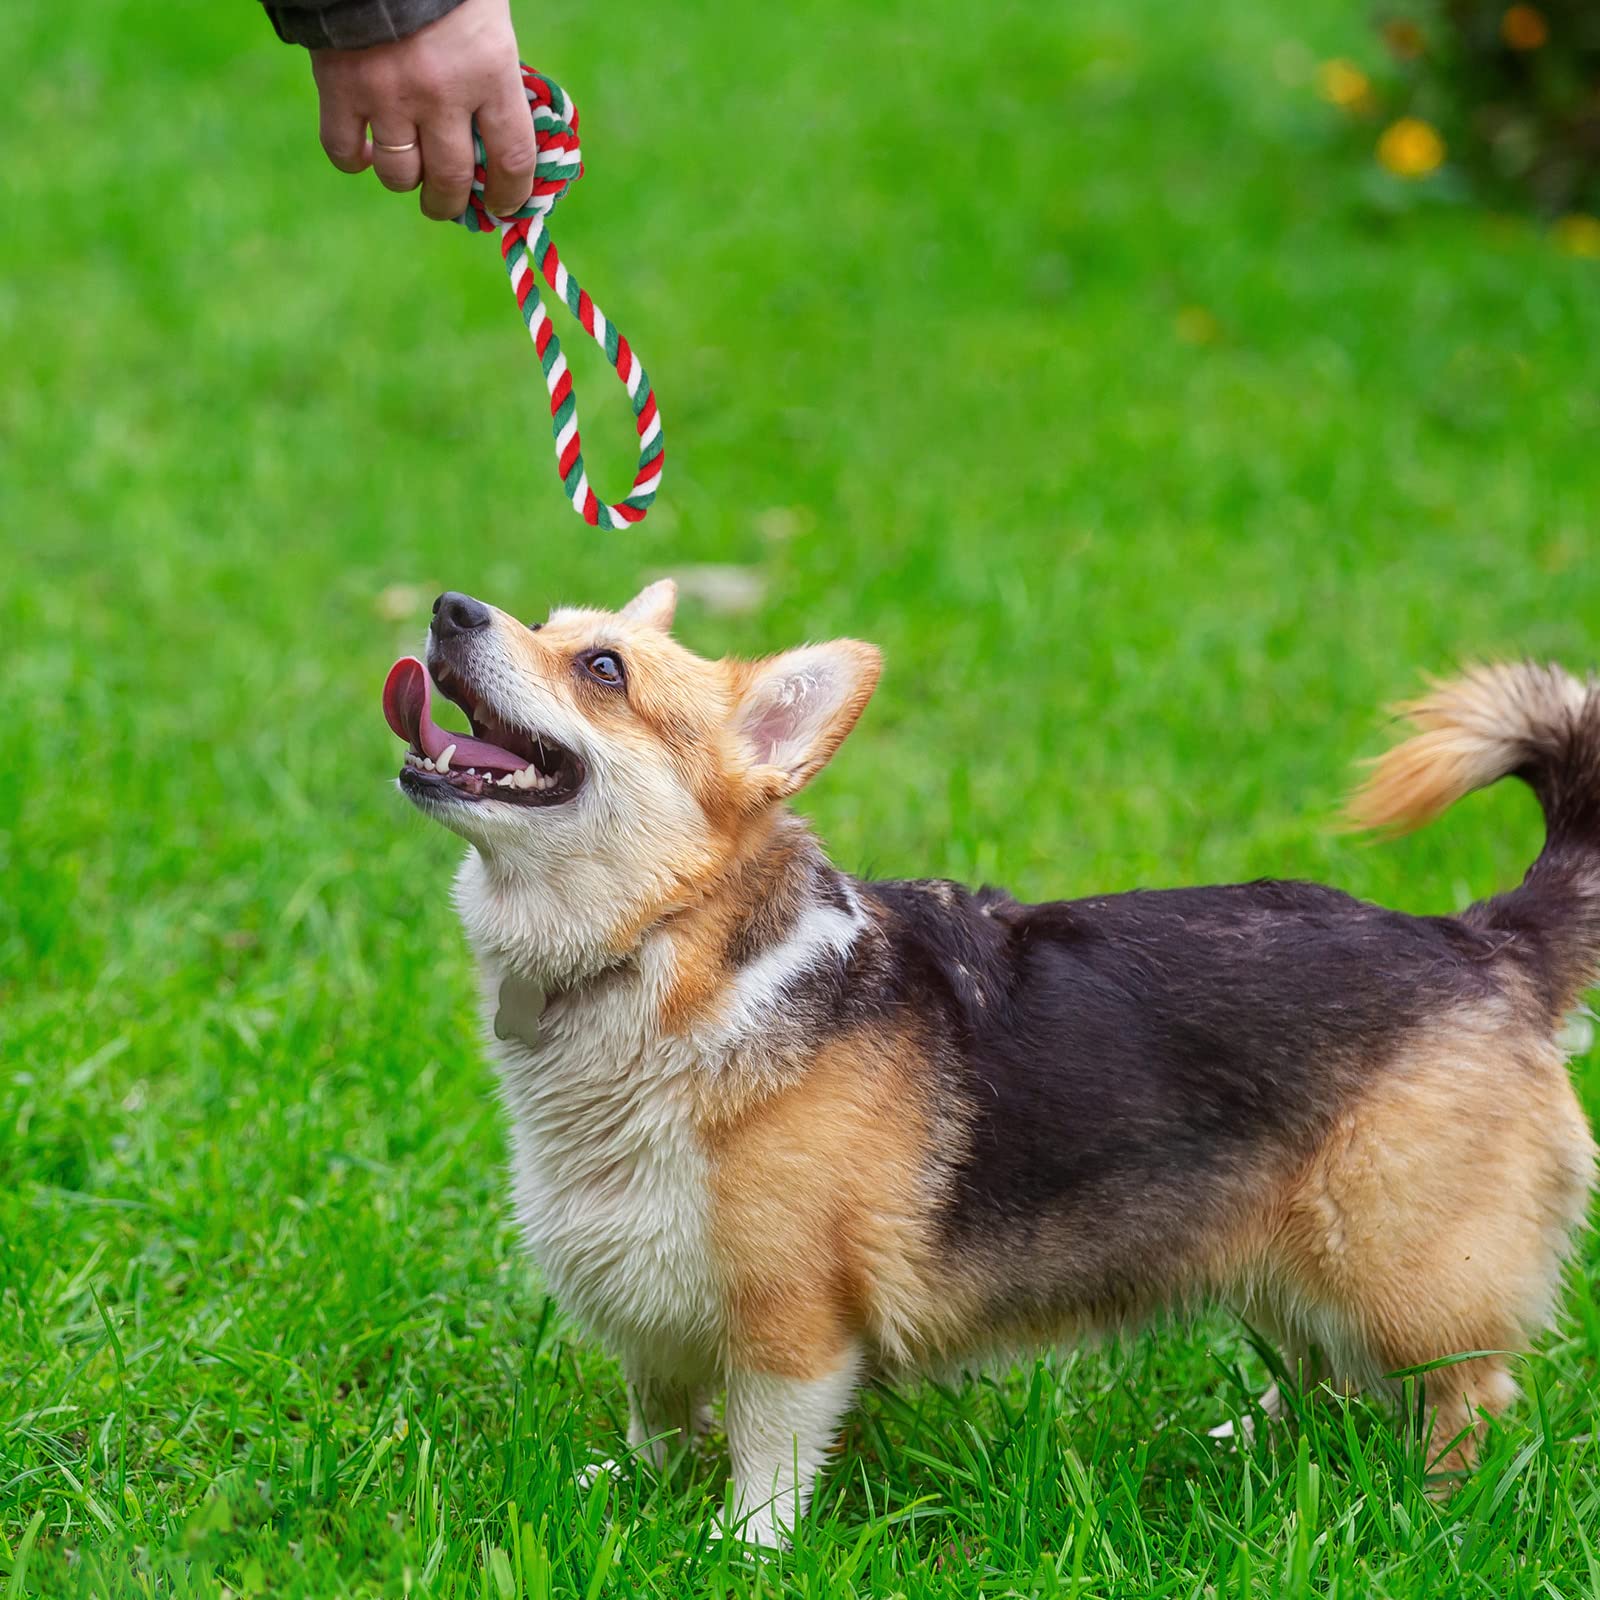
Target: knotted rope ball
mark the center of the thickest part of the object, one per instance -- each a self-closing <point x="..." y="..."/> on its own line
<point x="527" y="248"/>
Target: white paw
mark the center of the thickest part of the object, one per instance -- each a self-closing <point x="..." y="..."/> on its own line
<point x="596" y="1470"/>
<point x="1226" y="1430"/>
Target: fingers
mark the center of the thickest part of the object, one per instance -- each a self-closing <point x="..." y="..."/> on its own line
<point x="446" y="165"/>
<point x="344" y="137"/>
<point x="398" y="167"/>
<point x="422" y="91"/>
<point x="509" y="144"/>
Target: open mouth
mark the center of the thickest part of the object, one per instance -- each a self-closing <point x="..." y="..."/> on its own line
<point x="494" y="762"/>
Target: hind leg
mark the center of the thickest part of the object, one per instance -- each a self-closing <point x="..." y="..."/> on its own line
<point x="1306" y="1371"/>
<point x="1354" y="1348"/>
<point x="1461" y="1399"/>
<point x="664" y="1415"/>
<point x="1435" y="1220"/>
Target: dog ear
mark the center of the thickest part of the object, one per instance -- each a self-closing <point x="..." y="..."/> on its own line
<point x="654" y="605"/>
<point x="794" y="710"/>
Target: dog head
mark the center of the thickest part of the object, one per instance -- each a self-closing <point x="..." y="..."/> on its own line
<point x="610" y="773"/>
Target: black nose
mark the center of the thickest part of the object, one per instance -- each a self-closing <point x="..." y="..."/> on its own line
<point x="458" y="613"/>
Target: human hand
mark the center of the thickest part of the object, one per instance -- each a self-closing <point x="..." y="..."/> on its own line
<point x="419" y="96"/>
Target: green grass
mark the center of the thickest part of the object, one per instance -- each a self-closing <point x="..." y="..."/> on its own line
<point x="913" y="282"/>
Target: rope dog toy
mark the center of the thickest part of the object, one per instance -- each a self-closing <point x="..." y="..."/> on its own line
<point x="526" y="245"/>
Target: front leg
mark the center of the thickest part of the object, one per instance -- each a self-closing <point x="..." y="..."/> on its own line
<point x="780" y="1430"/>
<point x="664" y="1415"/>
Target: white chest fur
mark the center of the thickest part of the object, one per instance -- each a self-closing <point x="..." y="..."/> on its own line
<point x="612" y="1189"/>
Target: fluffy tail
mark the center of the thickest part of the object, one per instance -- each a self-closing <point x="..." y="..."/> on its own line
<point x="1542" y="725"/>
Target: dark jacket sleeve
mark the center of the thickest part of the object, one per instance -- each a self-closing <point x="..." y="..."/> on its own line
<point x="352" y="24"/>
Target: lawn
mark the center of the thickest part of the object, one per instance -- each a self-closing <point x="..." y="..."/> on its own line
<point x="1073" y="355"/>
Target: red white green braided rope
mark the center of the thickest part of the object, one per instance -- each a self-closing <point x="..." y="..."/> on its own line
<point x="529" y="254"/>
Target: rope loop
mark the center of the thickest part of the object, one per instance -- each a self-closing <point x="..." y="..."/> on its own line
<point x="530" y="254"/>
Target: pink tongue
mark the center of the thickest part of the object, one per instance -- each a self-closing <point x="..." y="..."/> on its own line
<point x="407" y="697"/>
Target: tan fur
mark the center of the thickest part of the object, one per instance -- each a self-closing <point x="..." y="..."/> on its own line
<point x="1433" y="1219"/>
<point x="735" y="1201"/>
<point x="687" y="704"/>
<point x="822" y="1193"/>
<point x="1471" y="731"/>
<point x="686" y="708"/>
<point x="699" y="966"/>
<point x="752" y="680"/>
<point x="755" y="871"/>
<point x="675" y="699"/>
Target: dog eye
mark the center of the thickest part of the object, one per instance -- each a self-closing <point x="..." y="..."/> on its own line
<point x="604" y="666"/>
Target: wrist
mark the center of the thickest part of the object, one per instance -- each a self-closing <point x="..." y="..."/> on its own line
<point x="354" y="24"/>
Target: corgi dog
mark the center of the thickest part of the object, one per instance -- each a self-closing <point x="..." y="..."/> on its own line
<point x="775" y="1129"/>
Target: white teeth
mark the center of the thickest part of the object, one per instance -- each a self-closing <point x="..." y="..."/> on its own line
<point x="528" y="777"/>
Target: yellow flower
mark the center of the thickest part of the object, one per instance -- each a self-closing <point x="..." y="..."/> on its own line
<point x="1524" y="28"/>
<point x="1579" y="235"/>
<point x="1411" y="148"/>
<point x="1343" y="84"/>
